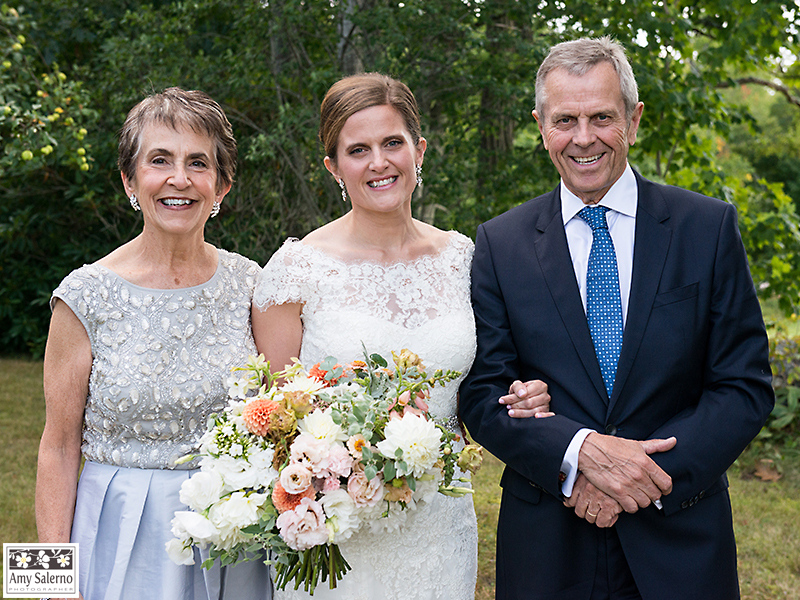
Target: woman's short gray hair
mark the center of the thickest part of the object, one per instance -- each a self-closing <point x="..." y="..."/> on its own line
<point x="577" y="57"/>
<point x="175" y="107"/>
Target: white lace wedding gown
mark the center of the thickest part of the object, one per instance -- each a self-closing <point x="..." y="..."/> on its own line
<point x="421" y="305"/>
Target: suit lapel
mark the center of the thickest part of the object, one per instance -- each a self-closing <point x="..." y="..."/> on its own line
<point x="650" y="248"/>
<point x="552" y="252"/>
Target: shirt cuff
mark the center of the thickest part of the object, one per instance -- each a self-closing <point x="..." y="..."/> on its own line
<point x="569" y="466"/>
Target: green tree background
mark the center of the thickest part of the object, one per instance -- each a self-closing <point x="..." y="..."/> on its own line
<point x="717" y="78"/>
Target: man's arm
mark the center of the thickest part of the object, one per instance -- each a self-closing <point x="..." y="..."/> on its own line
<point x="737" y="395"/>
<point x="532" y="447"/>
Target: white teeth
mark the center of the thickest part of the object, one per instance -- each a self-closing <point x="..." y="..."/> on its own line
<point x="176" y="201"/>
<point x="585" y="160"/>
<point x="382" y="182"/>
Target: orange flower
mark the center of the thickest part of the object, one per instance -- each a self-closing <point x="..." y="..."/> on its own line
<point x="284" y="501"/>
<point x="256" y="415"/>
<point x="319" y="374"/>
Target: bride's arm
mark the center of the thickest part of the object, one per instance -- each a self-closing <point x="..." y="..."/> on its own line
<point x="529" y="399"/>
<point x="278" y="332"/>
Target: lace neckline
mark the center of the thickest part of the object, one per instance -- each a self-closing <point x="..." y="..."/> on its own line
<point x="319" y="252"/>
<point x="166" y="290"/>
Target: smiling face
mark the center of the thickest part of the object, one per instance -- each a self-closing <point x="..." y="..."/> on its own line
<point x="176" y="181"/>
<point x="376" y="158"/>
<point x="585" y="130"/>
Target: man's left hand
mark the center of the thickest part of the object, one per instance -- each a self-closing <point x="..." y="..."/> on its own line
<point x="593" y="505"/>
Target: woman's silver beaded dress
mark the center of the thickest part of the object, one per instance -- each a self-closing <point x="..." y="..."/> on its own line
<point x="160" y="363"/>
<point x="422" y="305"/>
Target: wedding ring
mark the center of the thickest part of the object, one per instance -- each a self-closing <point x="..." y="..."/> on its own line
<point x="590" y="514"/>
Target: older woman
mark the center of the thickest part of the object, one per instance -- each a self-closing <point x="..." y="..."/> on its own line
<point x="381" y="278"/>
<point x="139" y="348"/>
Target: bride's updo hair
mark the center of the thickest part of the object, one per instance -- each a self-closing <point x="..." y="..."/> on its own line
<point x="357" y="92"/>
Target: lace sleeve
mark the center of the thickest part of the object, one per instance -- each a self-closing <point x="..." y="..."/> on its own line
<point x="285" y="278"/>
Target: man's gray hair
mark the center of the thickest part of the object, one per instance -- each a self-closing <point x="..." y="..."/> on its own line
<point x="577" y="57"/>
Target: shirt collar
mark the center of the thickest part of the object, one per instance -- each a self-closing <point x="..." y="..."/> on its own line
<point x="622" y="197"/>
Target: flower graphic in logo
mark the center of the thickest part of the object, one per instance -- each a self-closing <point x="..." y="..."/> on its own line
<point x="44" y="559"/>
<point x="23" y="560"/>
<point x="63" y="560"/>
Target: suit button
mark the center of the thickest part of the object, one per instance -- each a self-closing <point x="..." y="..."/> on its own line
<point x="685" y="504"/>
<point x="611" y="429"/>
<point x="701" y="495"/>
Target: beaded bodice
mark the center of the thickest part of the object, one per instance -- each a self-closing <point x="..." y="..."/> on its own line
<point x="160" y="359"/>
<point x="422" y="305"/>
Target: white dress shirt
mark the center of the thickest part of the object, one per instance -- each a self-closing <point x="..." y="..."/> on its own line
<point x="622" y="200"/>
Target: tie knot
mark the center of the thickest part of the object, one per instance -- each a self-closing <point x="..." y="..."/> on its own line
<point x="595" y="216"/>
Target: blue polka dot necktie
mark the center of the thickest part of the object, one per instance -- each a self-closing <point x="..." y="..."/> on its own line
<point x="603" y="302"/>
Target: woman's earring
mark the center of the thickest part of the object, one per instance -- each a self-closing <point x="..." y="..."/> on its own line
<point x="215" y="209"/>
<point x="134" y="202"/>
<point x="344" y="191"/>
<point x="419" y="174"/>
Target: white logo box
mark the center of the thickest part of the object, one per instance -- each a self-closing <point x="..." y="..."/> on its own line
<point x="37" y="570"/>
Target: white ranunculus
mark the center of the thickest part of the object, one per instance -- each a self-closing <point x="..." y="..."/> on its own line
<point x="188" y="524"/>
<point x="320" y="425"/>
<point x="179" y="553"/>
<point x="201" y="490"/>
<point x="342" y="516"/>
<point x="417" y="437"/>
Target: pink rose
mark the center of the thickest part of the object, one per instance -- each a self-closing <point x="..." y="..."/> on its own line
<point x="296" y="478"/>
<point x="304" y="527"/>
<point x="363" y="491"/>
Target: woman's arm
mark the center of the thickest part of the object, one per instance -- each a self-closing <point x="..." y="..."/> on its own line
<point x="278" y="332"/>
<point x="67" y="366"/>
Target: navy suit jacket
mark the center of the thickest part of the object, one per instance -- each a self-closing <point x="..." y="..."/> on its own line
<point x="694" y="365"/>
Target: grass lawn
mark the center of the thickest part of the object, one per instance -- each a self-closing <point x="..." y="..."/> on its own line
<point x="766" y="514"/>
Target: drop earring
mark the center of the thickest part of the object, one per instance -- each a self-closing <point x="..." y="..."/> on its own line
<point x="344" y="191"/>
<point x="134" y="202"/>
<point x="215" y="209"/>
<point x="418" y="169"/>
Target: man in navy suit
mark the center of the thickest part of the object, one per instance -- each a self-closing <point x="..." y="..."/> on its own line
<point x="622" y="494"/>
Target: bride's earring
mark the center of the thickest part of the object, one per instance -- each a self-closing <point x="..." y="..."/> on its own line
<point x="344" y="191"/>
<point x="134" y="202"/>
<point x="215" y="209"/>
<point x="419" y="174"/>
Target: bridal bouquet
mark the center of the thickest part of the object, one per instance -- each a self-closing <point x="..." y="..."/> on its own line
<point x="300" y="460"/>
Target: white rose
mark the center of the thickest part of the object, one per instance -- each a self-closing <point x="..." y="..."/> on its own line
<point x="232" y="514"/>
<point x="201" y="490"/>
<point x="179" y="552"/>
<point x="417" y="437"/>
<point x="187" y="524"/>
<point x="320" y="425"/>
<point x="342" y="515"/>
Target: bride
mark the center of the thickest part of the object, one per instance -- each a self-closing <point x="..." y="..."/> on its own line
<point x="379" y="278"/>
